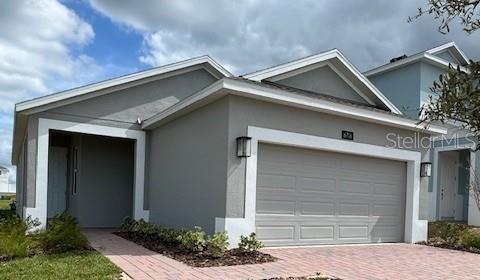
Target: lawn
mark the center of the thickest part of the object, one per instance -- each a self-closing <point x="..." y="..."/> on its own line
<point x="4" y="204"/>
<point x="84" y="265"/>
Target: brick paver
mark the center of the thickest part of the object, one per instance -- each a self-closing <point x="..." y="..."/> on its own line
<point x="395" y="261"/>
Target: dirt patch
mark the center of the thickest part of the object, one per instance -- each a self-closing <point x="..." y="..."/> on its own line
<point x="231" y="257"/>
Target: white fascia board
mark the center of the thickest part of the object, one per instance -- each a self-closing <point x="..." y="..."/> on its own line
<point x="307" y="61"/>
<point x="425" y="57"/>
<point x="237" y="87"/>
<point x="450" y="45"/>
<point x="290" y="66"/>
<point x="26" y="105"/>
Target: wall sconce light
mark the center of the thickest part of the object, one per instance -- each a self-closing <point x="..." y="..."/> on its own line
<point x="426" y="169"/>
<point x="244" y="148"/>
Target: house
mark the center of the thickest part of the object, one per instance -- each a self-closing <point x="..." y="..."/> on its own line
<point x="5" y="186"/>
<point x="298" y="153"/>
<point x="407" y="82"/>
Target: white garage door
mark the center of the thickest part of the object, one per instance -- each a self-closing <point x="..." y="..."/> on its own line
<point x="315" y="197"/>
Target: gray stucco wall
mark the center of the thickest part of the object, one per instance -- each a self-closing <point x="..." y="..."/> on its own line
<point x="402" y="87"/>
<point x="142" y="101"/>
<point x="323" y="80"/>
<point x="245" y="112"/>
<point x="188" y="169"/>
<point x="119" y="109"/>
<point x="105" y="183"/>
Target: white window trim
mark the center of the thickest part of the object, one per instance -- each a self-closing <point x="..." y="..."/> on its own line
<point x="41" y="181"/>
<point x="415" y="229"/>
<point x="473" y="211"/>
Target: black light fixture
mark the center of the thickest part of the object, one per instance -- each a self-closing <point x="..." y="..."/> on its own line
<point x="244" y="148"/>
<point x="426" y="169"/>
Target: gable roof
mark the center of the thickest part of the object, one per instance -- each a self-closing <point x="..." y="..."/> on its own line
<point x="61" y="98"/>
<point x="26" y="108"/>
<point x="453" y="49"/>
<point x="287" y="96"/>
<point x="337" y="61"/>
<point x="428" y="56"/>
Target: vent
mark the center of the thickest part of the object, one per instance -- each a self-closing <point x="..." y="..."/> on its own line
<point x="398" y="58"/>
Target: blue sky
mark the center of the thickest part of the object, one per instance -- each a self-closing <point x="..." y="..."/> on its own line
<point x="50" y="45"/>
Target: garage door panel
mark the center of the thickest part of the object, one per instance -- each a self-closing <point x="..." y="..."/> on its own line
<point x="354" y="209"/>
<point x="317" y="232"/>
<point x="351" y="186"/>
<point x="310" y="184"/>
<point x="275" y="207"/>
<point x="314" y="197"/>
<point x="276" y="181"/>
<point x="276" y="232"/>
<point x="353" y="232"/>
<point x="317" y="208"/>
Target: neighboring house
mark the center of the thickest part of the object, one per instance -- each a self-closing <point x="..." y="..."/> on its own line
<point x="407" y="82"/>
<point x="297" y="153"/>
<point x="5" y="186"/>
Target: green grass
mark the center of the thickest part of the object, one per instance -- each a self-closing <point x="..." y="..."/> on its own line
<point x="82" y="265"/>
<point x="4" y="204"/>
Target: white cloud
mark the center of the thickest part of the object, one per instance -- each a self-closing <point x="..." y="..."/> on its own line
<point x="40" y="45"/>
<point x="248" y="35"/>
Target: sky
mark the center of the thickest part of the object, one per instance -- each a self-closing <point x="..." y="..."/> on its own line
<point x="49" y="45"/>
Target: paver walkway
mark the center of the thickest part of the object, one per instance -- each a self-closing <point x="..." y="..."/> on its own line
<point x="396" y="261"/>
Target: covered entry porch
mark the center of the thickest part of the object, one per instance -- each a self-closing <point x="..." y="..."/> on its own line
<point x="93" y="172"/>
<point x="90" y="177"/>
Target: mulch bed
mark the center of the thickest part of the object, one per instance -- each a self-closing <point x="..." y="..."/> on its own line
<point x="318" y="276"/>
<point x="231" y="257"/>
<point x="440" y="243"/>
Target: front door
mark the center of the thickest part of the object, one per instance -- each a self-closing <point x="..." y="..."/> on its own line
<point x="57" y="180"/>
<point x="448" y="185"/>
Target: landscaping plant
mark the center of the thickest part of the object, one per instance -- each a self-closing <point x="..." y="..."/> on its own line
<point x="63" y="235"/>
<point x="250" y="243"/>
<point x="13" y="239"/>
<point x="194" y="247"/>
<point x="470" y="239"/>
<point x="193" y="240"/>
<point x="217" y="244"/>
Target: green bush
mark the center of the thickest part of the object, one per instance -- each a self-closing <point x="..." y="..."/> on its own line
<point x="192" y="240"/>
<point x="470" y="238"/>
<point x="217" y="244"/>
<point x="170" y="235"/>
<point x="14" y="241"/>
<point x="13" y="237"/>
<point x="250" y="243"/>
<point x="128" y="224"/>
<point x="449" y="232"/>
<point x="62" y="235"/>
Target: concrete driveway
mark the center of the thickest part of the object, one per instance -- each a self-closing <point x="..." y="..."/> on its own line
<point x="394" y="261"/>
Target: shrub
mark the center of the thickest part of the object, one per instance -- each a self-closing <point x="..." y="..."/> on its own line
<point x="217" y="244"/>
<point x="62" y="235"/>
<point x="13" y="238"/>
<point x="449" y="232"/>
<point x="192" y="240"/>
<point x="470" y="238"/>
<point x="128" y="224"/>
<point x="170" y="235"/>
<point x="250" y="243"/>
<point x="14" y="241"/>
